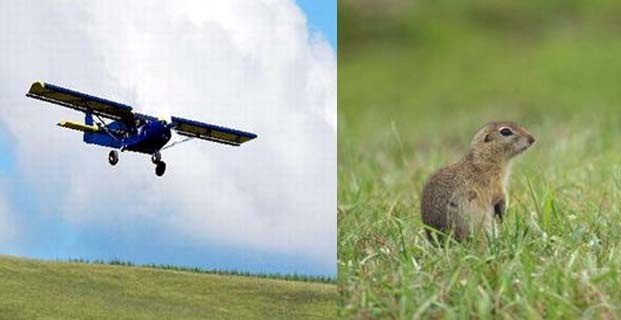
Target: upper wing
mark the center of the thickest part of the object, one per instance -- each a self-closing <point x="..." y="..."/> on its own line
<point x="80" y="101"/>
<point x="211" y="132"/>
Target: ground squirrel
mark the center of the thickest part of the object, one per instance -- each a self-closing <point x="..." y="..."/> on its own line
<point x="470" y="194"/>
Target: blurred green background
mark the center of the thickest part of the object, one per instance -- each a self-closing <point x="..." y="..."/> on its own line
<point x="416" y="79"/>
<point x="426" y="63"/>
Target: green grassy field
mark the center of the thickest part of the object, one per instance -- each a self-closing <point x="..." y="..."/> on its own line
<point x="416" y="80"/>
<point x="33" y="289"/>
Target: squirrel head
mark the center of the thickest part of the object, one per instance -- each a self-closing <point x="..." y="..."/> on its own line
<point x="501" y="139"/>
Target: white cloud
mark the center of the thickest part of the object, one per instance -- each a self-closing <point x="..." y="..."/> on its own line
<point x="246" y="64"/>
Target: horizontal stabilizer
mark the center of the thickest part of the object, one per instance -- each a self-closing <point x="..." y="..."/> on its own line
<point x="78" y="126"/>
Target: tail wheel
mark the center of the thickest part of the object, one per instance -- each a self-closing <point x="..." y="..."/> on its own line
<point x="156" y="157"/>
<point x="113" y="157"/>
<point x="160" y="168"/>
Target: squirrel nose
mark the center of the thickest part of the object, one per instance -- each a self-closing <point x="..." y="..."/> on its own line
<point x="531" y="139"/>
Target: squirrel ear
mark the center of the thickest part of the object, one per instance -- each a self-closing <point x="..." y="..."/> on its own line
<point x="487" y="138"/>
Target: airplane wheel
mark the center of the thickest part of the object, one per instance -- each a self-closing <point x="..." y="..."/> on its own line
<point x="156" y="157"/>
<point x="160" y="168"/>
<point x="113" y="157"/>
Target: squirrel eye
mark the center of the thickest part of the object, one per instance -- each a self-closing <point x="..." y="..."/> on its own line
<point x="506" y="132"/>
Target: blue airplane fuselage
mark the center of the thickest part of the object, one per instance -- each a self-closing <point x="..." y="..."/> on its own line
<point x="148" y="138"/>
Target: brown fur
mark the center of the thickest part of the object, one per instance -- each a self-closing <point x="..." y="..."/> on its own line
<point x="469" y="196"/>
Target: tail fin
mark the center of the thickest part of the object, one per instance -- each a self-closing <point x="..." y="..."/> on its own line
<point x="88" y="119"/>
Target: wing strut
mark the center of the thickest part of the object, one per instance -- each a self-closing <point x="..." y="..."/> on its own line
<point x="177" y="142"/>
<point x="105" y="128"/>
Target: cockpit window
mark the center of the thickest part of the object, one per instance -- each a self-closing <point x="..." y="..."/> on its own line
<point x="139" y="122"/>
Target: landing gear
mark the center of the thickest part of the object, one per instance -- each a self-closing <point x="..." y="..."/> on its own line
<point x="160" y="168"/>
<point x="156" y="157"/>
<point x="113" y="157"/>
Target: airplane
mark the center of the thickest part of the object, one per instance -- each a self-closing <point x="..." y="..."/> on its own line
<point x="128" y="130"/>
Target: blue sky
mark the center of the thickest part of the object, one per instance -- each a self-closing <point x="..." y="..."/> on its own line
<point x="321" y="17"/>
<point x="5" y="152"/>
<point x="254" y="208"/>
